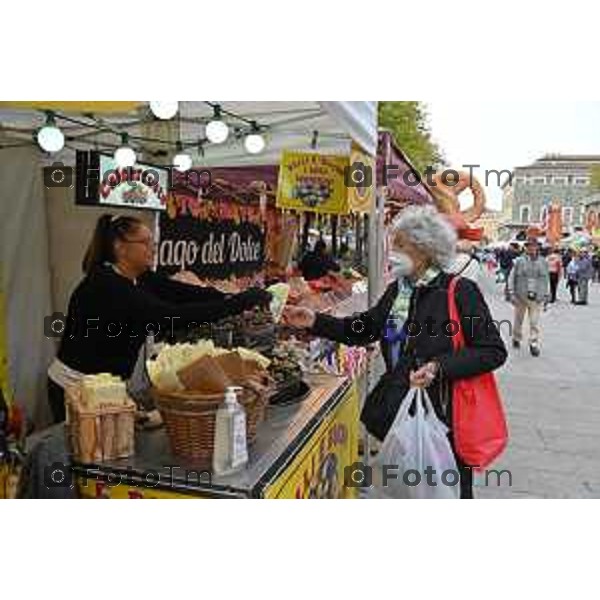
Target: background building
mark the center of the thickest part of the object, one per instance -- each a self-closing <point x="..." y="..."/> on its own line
<point x="505" y="226"/>
<point x="562" y="178"/>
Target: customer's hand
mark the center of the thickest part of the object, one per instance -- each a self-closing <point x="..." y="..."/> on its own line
<point x="299" y="317"/>
<point x="424" y="376"/>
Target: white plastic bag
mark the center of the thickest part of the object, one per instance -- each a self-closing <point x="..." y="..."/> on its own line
<point x="415" y="443"/>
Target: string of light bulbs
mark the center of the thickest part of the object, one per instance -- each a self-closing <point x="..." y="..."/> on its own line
<point x="51" y="139"/>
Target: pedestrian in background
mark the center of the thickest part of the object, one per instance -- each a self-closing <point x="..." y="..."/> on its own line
<point x="507" y="260"/>
<point x="572" y="276"/>
<point x="596" y="265"/>
<point x="585" y="271"/>
<point x="528" y="290"/>
<point x="555" y="270"/>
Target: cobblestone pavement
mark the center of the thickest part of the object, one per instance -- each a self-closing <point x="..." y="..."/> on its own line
<point x="552" y="403"/>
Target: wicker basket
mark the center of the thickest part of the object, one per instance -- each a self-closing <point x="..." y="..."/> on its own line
<point x="190" y="418"/>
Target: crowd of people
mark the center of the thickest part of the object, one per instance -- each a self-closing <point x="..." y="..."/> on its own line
<point x="577" y="267"/>
<point x="532" y="275"/>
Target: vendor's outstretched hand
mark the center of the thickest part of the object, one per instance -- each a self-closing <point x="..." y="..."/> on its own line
<point x="255" y="297"/>
<point x="298" y="317"/>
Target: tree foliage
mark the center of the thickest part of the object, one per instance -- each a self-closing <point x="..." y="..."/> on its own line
<point x="407" y="120"/>
<point x="595" y="177"/>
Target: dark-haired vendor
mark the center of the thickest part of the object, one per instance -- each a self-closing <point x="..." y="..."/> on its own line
<point x="110" y="310"/>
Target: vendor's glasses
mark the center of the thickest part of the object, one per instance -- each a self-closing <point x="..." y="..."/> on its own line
<point x="148" y="242"/>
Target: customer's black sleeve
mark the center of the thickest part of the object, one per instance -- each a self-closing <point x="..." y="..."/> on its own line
<point x="336" y="329"/>
<point x="484" y="349"/>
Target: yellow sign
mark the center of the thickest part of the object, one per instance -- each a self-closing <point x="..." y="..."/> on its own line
<point x="318" y="470"/>
<point x="86" y="106"/>
<point x="313" y="182"/>
<point x="361" y="180"/>
<point x="97" y="489"/>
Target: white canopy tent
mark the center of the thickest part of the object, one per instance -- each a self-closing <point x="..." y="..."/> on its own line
<point x="285" y="125"/>
<point x="328" y="126"/>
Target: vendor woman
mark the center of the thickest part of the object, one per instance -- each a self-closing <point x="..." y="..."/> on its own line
<point x="120" y="301"/>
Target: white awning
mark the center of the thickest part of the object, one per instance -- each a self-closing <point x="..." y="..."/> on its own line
<point x="330" y="126"/>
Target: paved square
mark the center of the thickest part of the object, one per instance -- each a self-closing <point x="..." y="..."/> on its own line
<point x="552" y="403"/>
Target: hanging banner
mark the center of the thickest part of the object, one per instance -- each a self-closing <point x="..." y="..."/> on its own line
<point x="313" y="182"/>
<point x="361" y="197"/>
<point x="591" y="221"/>
<point x="212" y="240"/>
<point x="554" y="225"/>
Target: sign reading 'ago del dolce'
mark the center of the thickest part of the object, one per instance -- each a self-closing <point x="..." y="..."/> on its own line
<point x="211" y="248"/>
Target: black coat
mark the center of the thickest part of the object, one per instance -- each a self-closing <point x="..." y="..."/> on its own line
<point x="484" y="352"/>
<point x="109" y="317"/>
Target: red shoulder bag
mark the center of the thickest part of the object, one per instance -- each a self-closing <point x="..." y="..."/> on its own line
<point x="478" y="423"/>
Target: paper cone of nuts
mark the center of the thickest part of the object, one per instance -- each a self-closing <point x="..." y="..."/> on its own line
<point x="234" y="367"/>
<point x="205" y="375"/>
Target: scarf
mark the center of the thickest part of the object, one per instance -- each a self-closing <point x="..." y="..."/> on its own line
<point x="395" y="332"/>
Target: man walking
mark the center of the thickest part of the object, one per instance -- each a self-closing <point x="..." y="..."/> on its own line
<point x="528" y="289"/>
<point x="585" y="272"/>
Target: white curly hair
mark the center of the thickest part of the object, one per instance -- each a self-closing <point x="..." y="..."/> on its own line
<point x="429" y="231"/>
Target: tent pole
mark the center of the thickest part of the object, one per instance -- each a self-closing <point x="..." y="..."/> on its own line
<point x="306" y="227"/>
<point x="334" y="235"/>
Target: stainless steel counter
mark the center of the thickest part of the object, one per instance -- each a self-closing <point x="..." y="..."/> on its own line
<point x="284" y="431"/>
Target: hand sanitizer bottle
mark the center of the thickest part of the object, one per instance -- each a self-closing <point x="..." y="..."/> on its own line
<point x="231" y="450"/>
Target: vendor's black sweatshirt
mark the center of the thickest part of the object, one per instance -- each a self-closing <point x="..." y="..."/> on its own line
<point x="109" y="316"/>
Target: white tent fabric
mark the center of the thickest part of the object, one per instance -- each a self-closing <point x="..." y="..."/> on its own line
<point x="288" y="125"/>
<point x="359" y="119"/>
<point x="25" y="277"/>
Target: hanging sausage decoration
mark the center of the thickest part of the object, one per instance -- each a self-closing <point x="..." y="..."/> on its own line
<point x="446" y="195"/>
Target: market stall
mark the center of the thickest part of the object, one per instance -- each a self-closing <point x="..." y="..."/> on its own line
<point x="300" y="449"/>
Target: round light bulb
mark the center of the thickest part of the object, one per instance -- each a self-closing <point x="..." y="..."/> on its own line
<point x="125" y="157"/>
<point x="217" y="131"/>
<point x="165" y="110"/>
<point x="255" y="143"/>
<point x="51" y="138"/>
<point x="182" y="162"/>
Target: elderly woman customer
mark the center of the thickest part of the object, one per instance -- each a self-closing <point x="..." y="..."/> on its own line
<point x="420" y="354"/>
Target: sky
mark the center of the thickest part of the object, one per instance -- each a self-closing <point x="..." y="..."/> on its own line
<point x="504" y="135"/>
